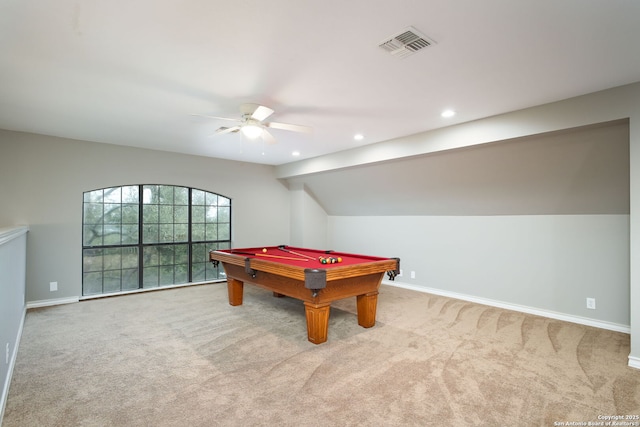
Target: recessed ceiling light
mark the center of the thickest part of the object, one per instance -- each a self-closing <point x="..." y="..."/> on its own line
<point x="448" y="113"/>
<point x="358" y="137"/>
<point x="295" y="153"/>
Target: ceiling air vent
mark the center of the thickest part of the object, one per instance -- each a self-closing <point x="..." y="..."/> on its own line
<point x="405" y="43"/>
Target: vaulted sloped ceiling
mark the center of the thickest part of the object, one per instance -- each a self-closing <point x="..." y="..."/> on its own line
<point x="577" y="171"/>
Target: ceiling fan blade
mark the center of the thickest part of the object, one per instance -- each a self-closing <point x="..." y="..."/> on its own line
<point x="261" y="113"/>
<point x="287" y="126"/>
<point x="215" y="117"/>
<point x="268" y="138"/>
<point x="224" y="130"/>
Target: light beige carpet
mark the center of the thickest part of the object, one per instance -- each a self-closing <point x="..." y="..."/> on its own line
<point x="184" y="357"/>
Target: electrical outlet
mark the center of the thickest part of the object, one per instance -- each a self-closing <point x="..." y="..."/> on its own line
<point x="413" y="274"/>
<point x="591" y="303"/>
<point x="53" y="286"/>
<point x="400" y="274"/>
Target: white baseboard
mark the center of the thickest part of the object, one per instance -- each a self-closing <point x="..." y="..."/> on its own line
<point x="12" y="363"/>
<point x="50" y="302"/>
<point x="516" y="307"/>
<point x="71" y="300"/>
<point x="634" y="362"/>
<point x="138" y="291"/>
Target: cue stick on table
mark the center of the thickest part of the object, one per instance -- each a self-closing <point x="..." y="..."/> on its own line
<point x="270" y="256"/>
<point x="295" y="253"/>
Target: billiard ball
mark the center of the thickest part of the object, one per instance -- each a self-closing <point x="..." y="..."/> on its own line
<point x="264" y="250"/>
<point x="339" y="259"/>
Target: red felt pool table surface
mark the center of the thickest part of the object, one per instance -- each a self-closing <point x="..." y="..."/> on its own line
<point x="298" y="273"/>
<point x="302" y="257"/>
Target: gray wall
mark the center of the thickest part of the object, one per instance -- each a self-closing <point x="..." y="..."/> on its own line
<point x="547" y="262"/>
<point x="42" y="180"/>
<point x="13" y="245"/>
<point x="308" y="219"/>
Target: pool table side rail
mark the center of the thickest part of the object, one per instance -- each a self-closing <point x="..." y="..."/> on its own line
<point x="334" y="272"/>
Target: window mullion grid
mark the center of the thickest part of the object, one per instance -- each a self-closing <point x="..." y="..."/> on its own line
<point x="189" y="239"/>
<point x="121" y="231"/>
<point x="140" y="234"/>
<point x="140" y="245"/>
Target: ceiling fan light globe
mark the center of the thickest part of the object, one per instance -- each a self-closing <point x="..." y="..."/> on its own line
<point x="251" y="131"/>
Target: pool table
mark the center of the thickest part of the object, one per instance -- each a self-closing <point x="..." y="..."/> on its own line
<point x="299" y="273"/>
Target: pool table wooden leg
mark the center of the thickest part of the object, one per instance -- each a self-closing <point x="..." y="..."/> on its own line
<point x="235" y="288"/>
<point x="317" y="321"/>
<point x="367" y="305"/>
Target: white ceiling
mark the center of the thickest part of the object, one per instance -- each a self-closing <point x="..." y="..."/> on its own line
<point x="133" y="73"/>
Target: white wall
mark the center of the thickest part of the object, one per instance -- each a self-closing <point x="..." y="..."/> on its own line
<point x="42" y="180"/>
<point x="547" y="262"/>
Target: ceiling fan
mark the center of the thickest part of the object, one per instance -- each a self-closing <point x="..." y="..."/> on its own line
<point x="252" y="123"/>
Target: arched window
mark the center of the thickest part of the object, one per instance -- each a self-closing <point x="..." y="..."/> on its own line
<point x="150" y="236"/>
